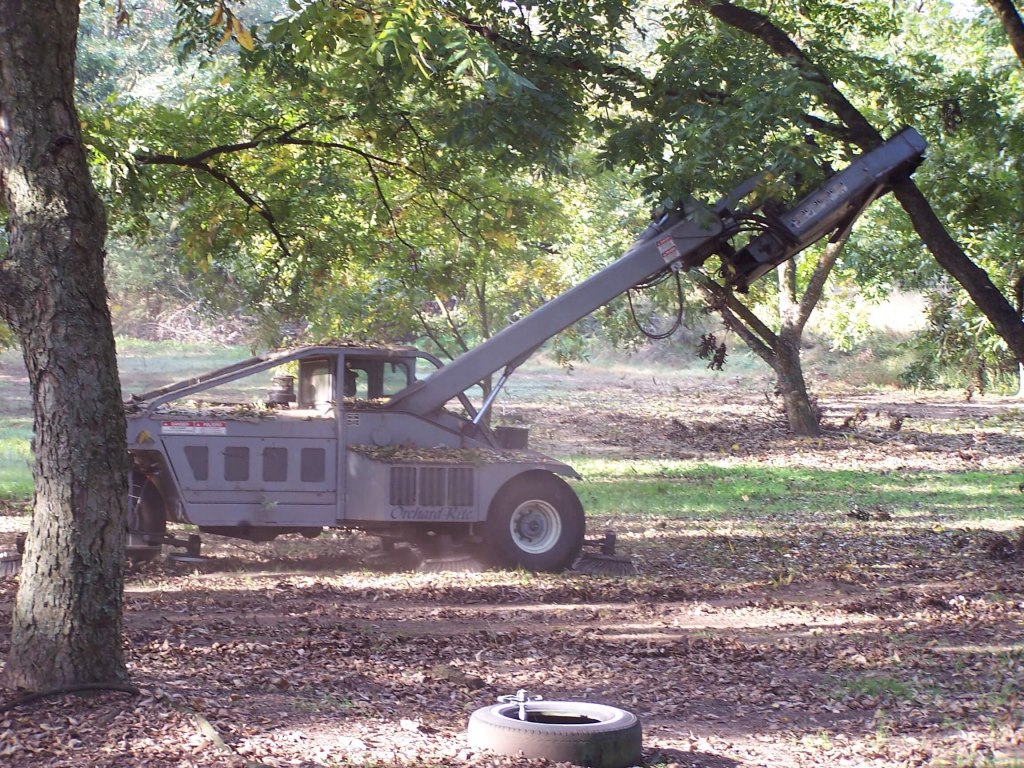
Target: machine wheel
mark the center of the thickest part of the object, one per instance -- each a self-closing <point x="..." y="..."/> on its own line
<point x="535" y="522"/>
<point x="562" y="731"/>
<point x="147" y="521"/>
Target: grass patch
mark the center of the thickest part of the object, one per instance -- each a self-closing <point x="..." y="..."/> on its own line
<point x="681" y="489"/>
<point x="145" y="365"/>
<point x="16" y="459"/>
<point x="129" y="348"/>
<point x="879" y="686"/>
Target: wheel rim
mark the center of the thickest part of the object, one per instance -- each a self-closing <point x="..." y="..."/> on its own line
<point x="535" y="526"/>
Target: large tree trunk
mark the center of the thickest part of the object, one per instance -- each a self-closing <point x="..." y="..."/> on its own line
<point x="793" y="316"/>
<point x="67" y="615"/>
<point x="789" y="378"/>
<point x="780" y="350"/>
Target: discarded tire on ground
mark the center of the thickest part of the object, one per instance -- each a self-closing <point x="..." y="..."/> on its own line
<point x="593" y="735"/>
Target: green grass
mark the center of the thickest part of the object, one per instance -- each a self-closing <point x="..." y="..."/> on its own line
<point x="685" y="489"/>
<point x="145" y="365"/>
<point x="879" y="685"/>
<point x="128" y="348"/>
<point x="679" y="488"/>
<point x="15" y="459"/>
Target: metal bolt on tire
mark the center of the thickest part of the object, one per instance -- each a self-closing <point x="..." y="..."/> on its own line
<point x="593" y="735"/>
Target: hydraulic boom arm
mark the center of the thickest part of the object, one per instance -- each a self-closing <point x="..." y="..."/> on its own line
<point x="680" y="241"/>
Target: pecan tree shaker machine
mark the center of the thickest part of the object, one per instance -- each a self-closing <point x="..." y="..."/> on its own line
<point x="386" y="439"/>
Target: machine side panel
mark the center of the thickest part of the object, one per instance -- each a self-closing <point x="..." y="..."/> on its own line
<point x="382" y="428"/>
<point x="435" y="489"/>
<point x="273" y="472"/>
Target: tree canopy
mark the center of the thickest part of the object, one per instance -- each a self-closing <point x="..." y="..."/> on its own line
<point x="343" y="137"/>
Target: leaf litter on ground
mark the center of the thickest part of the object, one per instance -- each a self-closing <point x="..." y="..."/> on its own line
<point x="757" y="639"/>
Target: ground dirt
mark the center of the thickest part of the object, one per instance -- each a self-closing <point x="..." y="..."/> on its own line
<point x="821" y="641"/>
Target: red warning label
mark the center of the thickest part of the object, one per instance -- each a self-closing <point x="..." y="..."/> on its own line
<point x="194" y="427"/>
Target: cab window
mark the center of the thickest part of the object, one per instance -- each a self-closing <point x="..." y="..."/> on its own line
<point x="376" y="379"/>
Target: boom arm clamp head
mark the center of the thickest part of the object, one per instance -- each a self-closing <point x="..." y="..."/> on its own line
<point x="831" y="208"/>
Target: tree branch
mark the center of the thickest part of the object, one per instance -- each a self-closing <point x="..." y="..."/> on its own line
<point x="421" y="145"/>
<point x="200" y="157"/>
<point x="755" y="344"/>
<point x="728" y="299"/>
<point x="427" y="329"/>
<point x="569" y="63"/>
<point x="480" y="289"/>
<point x="286" y="138"/>
<point x="371" y="157"/>
<point x="816" y="283"/>
<point x="738" y="317"/>
<point x="657" y="87"/>
<point x="261" y="208"/>
<point x="463" y="344"/>
<point x="861" y="132"/>
<point x="387" y="206"/>
<point x="820" y="125"/>
<point x="1008" y="15"/>
<point x="368" y="156"/>
<point x="950" y="256"/>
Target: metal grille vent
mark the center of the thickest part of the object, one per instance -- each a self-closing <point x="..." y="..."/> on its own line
<point x="403" y="486"/>
<point x="460" y="487"/>
<point x="432" y="486"/>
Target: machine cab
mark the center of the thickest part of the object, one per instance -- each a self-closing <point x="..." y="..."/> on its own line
<point x="256" y="448"/>
<point x="368" y="378"/>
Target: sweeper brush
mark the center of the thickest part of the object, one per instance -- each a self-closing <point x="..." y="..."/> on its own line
<point x="604" y="562"/>
<point x="451" y="563"/>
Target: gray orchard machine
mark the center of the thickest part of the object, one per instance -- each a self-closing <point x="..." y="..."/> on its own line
<point x="386" y="440"/>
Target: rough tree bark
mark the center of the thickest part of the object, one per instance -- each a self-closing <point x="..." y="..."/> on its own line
<point x="793" y="316"/>
<point x="66" y="624"/>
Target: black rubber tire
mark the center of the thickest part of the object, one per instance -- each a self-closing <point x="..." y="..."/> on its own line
<point x="148" y="518"/>
<point x="607" y="737"/>
<point x="535" y="522"/>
